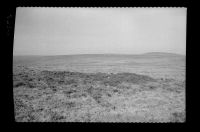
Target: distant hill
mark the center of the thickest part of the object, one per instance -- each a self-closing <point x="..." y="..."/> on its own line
<point x="162" y="54"/>
<point x="90" y="58"/>
<point x="149" y="54"/>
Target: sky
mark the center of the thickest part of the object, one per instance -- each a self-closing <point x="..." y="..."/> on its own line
<point x="63" y="31"/>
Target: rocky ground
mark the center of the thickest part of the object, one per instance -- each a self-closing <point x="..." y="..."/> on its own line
<point x="64" y="96"/>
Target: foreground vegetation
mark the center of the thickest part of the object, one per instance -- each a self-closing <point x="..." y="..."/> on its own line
<point x="63" y="96"/>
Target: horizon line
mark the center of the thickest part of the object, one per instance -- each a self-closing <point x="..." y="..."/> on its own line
<point x="104" y="54"/>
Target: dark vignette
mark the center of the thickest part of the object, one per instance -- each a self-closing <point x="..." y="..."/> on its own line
<point x="8" y="25"/>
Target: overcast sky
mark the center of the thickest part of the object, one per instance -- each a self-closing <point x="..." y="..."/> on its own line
<point x="61" y="31"/>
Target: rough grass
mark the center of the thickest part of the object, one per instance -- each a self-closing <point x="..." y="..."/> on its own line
<point x="178" y="117"/>
<point x="56" y="96"/>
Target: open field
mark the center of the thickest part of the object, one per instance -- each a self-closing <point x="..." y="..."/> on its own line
<point x="99" y="88"/>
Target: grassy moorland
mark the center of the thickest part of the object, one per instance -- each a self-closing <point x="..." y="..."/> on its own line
<point x="75" y="89"/>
